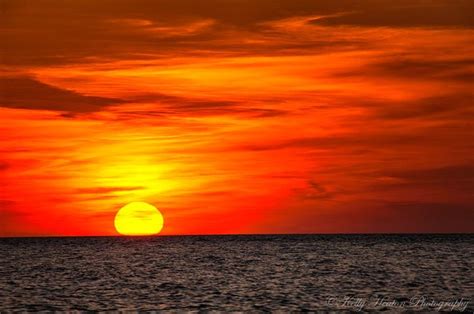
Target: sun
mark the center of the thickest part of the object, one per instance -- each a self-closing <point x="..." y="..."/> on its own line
<point x="138" y="219"/>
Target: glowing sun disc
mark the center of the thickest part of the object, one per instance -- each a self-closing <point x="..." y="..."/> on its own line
<point x="138" y="218"/>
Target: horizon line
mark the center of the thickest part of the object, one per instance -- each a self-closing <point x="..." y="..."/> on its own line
<point x="236" y="234"/>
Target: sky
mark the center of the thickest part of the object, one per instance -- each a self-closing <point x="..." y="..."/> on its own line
<point x="237" y="116"/>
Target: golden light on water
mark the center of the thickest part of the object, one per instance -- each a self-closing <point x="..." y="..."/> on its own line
<point x="138" y="219"/>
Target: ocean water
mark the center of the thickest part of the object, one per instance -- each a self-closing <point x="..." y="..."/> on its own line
<point x="238" y="273"/>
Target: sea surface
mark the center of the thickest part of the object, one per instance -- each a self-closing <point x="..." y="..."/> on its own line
<point x="238" y="273"/>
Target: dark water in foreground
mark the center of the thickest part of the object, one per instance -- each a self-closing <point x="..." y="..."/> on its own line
<point x="307" y="272"/>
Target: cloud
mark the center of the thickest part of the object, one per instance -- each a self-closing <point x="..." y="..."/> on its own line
<point x="344" y="141"/>
<point x="316" y="191"/>
<point x="167" y="30"/>
<point x="28" y="93"/>
<point x="183" y="106"/>
<point x="406" y="14"/>
<point x="162" y="105"/>
<point x="109" y="189"/>
<point x="463" y="173"/>
<point x="453" y="106"/>
<point x="417" y="68"/>
<point x="459" y="68"/>
<point x="87" y="31"/>
<point x="103" y="193"/>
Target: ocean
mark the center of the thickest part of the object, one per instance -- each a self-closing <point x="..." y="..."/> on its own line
<point x="238" y="273"/>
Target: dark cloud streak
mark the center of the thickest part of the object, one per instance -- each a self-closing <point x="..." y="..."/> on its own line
<point x="28" y="93"/>
<point x="406" y="14"/>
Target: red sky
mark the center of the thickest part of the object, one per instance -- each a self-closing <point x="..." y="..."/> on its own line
<point x="237" y="116"/>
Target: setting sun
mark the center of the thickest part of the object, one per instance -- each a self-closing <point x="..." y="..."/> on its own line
<point x="138" y="218"/>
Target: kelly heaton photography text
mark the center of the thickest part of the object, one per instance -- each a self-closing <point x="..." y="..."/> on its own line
<point x="416" y="303"/>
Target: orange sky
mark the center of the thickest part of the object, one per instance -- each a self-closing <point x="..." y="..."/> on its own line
<point x="237" y="116"/>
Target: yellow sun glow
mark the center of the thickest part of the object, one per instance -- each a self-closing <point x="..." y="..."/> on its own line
<point x="138" y="218"/>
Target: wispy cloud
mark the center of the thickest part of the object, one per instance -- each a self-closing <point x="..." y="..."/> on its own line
<point x="27" y="93"/>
